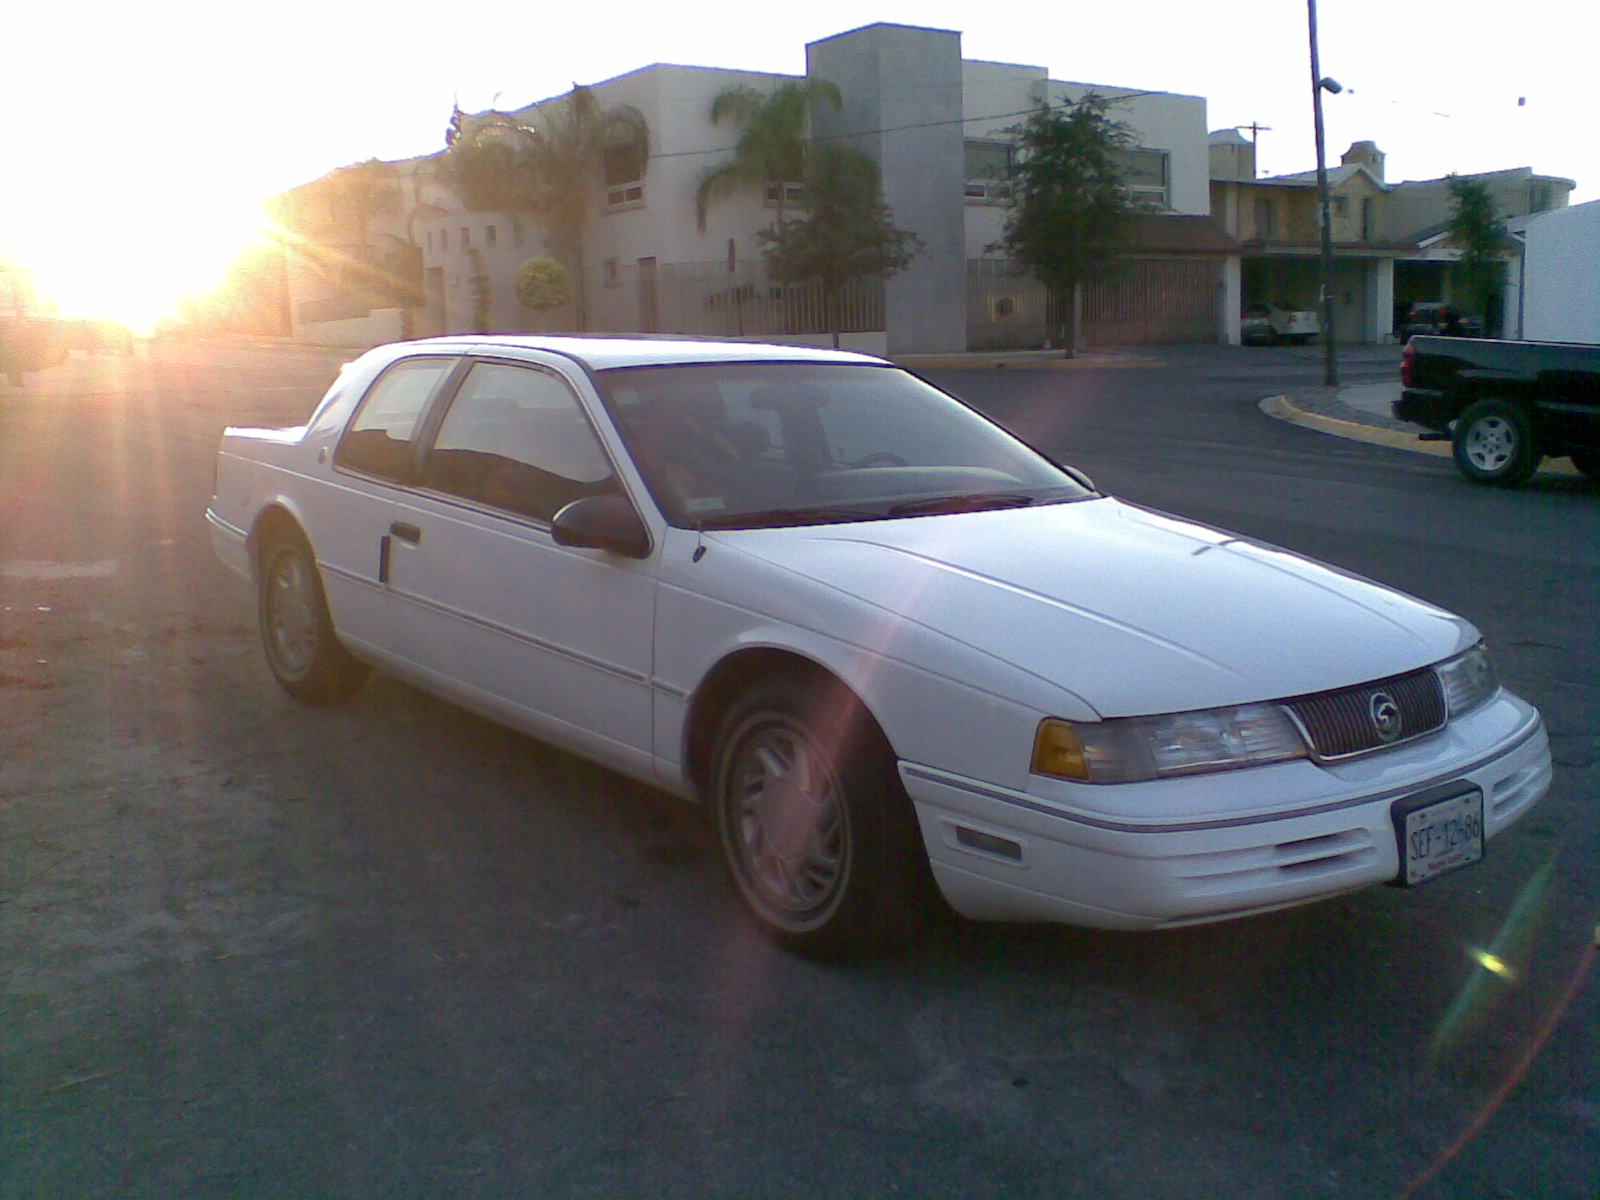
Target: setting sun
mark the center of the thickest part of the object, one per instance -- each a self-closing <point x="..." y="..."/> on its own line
<point x="138" y="269"/>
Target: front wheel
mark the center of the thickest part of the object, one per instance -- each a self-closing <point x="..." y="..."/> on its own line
<point x="305" y="654"/>
<point x="1493" y="444"/>
<point x="815" y="828"/>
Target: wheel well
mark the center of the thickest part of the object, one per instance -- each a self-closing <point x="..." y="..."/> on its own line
<point x="274" y="523"/>
<point x="722" y="686"/>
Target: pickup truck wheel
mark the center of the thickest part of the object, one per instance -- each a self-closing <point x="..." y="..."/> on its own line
<point x="302" y="649"/>
<point x="815" y="828"/>
<point x="1588" y="461"/>
<point x="1493" y="444"/>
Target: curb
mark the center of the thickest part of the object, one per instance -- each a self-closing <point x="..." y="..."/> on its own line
<point x="1037" y="360"/>
<point x="1285" y="409"/>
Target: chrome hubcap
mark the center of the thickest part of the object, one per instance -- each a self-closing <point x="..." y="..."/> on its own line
<point x="291" y="614"/>
<point x="1490" y="443"/>
<point x="788" y="821"/>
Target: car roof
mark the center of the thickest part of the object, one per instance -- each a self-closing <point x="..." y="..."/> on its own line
<point x="600" y="353"/>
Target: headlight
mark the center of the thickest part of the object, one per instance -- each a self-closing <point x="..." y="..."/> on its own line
<point x="1468" y="679"/>
<point x="1129" y="749"/>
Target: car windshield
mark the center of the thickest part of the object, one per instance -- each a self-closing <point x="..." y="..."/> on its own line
<point x="743" y="445"/>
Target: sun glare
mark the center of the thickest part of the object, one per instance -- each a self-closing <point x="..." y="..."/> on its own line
<point x="139" y="269"/>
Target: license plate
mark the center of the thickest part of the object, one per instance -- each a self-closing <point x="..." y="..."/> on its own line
<point x="1438" y="835"/>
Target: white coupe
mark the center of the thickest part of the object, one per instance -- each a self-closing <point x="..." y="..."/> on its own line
<point x="887" y="645"/>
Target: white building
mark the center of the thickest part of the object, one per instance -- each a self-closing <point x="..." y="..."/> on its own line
<point x="938" y="126"/>
<point x="1561" y="302"/>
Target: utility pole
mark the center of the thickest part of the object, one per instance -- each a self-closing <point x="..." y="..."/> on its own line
<point x="1330" y="362"/>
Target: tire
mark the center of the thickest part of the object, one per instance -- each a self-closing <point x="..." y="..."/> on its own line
<point x="1493" y="444"/>
<point x="819" y="836"/>
<point x="1587" y="462"/>
<point x="304" y="653"/>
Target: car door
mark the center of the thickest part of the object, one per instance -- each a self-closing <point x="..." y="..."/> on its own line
<point x="349" y="524"/>
<point x="488" y="606"/>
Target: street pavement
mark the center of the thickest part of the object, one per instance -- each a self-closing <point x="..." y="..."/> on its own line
<point x="1359" y="411"/>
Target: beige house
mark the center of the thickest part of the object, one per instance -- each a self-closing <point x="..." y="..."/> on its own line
<point x="1278" y="224"/>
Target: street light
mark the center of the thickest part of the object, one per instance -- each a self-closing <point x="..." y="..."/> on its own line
<point x="1319" y="83"/>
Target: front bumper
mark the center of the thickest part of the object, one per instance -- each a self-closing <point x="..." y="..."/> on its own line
<point x="1227" y="845"/>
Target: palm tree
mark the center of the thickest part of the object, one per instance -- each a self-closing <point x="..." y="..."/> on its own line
<point x="548" y="166"/>
<point x="772" y="141"/>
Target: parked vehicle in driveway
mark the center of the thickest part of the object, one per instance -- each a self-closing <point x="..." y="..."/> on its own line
<point x="1268" y="324"/>
<point x="1255" y="326"/>
<point x="1505" y="405"/>
<point x="1436" y="319"/>
<point x="888" y="646"/>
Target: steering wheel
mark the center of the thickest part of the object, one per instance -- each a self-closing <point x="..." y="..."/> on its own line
<point x="880" y="458"/>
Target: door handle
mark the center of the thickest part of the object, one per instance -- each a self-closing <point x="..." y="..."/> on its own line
<point x="406" y="532"/>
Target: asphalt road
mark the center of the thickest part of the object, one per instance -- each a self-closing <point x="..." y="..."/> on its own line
<point x="386" y="949"/>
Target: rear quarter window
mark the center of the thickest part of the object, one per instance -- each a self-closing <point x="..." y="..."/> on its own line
<point x="380" y="436"/>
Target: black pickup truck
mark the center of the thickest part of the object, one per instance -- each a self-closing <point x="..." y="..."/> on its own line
<point x="1504" y="405"/>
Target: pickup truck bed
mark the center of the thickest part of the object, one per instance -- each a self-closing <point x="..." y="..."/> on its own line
<point x="1505" y="405"/>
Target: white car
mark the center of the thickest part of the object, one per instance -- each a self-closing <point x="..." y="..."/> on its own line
<point x="1297" y="325"/>
<point x="887" y="645"/>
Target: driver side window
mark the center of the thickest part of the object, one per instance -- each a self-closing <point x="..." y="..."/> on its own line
<point x="516" y="438"/>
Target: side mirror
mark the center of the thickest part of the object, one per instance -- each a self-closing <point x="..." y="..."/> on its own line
<point x="602" y="523"/>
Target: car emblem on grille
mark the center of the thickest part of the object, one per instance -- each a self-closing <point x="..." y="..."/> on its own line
<point x="1385" y="715"/>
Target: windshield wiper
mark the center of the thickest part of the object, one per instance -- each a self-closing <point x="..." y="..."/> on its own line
<point x="773" y="517"/>
<point x="961" y="502"/>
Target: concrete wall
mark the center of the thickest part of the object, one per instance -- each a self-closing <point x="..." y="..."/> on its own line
<point x="902" y="105"/>
<point x="1562" y="300"/>
<point x="379" y="327"/>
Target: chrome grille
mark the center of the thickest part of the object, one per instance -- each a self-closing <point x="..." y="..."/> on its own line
<point x="1359" y="720"/>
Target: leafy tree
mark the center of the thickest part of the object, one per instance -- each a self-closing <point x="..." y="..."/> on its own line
<point x="848" y="233"/>
<point x="1069" y="209"/>
<point x="1475" y="232"/>
<point x="543" y="284"/>
<point x="770" y="151"/>
<point x="549" y="167"/>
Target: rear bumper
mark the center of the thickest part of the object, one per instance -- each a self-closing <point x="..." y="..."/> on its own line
<point x="231" y="544"/>
<point x="1427" y="407"/>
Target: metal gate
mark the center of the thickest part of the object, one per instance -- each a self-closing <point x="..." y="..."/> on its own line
<point x="1150" y="302"/>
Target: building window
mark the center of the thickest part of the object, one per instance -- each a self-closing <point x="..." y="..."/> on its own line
<point x="793" y="194"/>
<point x="1539" y="198"/>
<point x="628" y="196"/>
<point x="489" y="234"/>
<point x="430" y="241"/>
<point x="608" y="273"/>
<point x="466" y="237"/>
<point x="987" y="170"/>
<point x="622" y="166"/>
<point x="1146" y="177"/>
<point x="444" y="240"/>
<point x="1369" y="219"/>
<point x="1266" y="223"/>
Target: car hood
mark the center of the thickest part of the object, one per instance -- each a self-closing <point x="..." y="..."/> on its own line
<point x="1131" y="610"/>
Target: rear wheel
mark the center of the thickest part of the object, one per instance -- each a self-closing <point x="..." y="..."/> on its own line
<point x="815" y="828"/>
<point x="305" y="654"/>
<point x="1493" y="444"/>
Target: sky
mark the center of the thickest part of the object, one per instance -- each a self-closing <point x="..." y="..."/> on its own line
<point x="140" y="139"/>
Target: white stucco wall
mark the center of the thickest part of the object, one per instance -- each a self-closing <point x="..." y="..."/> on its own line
<point x="997" y="97"/>
<point x="1562" y="301"/>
